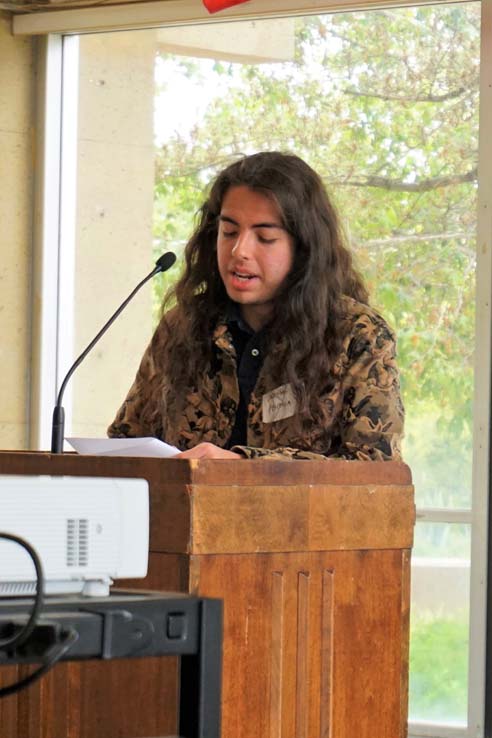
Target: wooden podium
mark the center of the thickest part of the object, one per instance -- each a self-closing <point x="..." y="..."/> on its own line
<point x="312" y="561"/>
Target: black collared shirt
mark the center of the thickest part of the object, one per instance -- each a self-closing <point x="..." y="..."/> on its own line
<point x="250" y="352"/>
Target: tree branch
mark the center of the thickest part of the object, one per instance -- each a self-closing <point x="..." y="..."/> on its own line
<point x="399" y="185"/>
<point x="417" y="238"/>
<point x="452" y="95"/>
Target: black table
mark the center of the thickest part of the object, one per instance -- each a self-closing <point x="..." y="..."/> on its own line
<point x="135" y="624"/>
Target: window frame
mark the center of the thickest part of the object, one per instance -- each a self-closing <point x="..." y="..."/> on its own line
<point x="51" y="286"/>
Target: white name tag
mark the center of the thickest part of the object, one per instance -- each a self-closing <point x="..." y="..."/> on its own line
<point x="278" y="404"/>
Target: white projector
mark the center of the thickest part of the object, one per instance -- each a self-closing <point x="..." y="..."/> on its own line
<point x="87" y="531"/>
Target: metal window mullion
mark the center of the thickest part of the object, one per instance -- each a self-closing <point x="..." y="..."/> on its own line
<point x="46" y="237"/>
<point x="68" y="216"/>
<point x="54" y="230"/>
<point x="428" y="730"/>
<point x="444" y="515"/>
<point x="479" y="708"/>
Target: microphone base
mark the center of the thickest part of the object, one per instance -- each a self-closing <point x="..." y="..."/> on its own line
<point x="58" y="430"/>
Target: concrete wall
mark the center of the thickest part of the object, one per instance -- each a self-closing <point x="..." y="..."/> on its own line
<point x="16" y="206"/>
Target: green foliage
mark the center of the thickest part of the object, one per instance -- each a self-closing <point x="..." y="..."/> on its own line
<point x="439" y="668"/>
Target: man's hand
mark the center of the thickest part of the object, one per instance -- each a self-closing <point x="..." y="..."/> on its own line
<point x="207" y="451"/>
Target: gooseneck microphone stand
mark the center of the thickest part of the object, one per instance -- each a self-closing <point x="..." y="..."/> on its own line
<point x="58" y="424"/>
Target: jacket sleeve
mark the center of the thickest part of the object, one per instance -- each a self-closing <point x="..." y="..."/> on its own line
<point x="372" y="411"/>
<point x="129" y="421"/>
<point x="370" y="426"/>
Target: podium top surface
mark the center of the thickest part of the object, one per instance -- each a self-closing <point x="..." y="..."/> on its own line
<point x="210" y="471"/>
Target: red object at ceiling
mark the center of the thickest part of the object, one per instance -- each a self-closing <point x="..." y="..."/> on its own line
<point x="213" y="6"/>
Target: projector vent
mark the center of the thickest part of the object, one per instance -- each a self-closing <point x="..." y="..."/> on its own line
<point x="13" y="589"/>
<point x="77" y="542"/>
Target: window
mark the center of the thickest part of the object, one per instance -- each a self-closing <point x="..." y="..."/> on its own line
<point x="384" y="104"/>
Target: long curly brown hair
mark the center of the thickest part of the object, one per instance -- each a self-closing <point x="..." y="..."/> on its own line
<point x="306" y="324"/>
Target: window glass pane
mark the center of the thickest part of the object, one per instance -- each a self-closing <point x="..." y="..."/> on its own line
<point x="439" y="623"/>
<point x="441" y="540"/>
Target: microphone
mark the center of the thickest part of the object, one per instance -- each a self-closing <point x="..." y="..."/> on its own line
<point x="162" y="264"/>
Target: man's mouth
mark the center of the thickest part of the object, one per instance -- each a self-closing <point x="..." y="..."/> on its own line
<point x="242" y="275"/>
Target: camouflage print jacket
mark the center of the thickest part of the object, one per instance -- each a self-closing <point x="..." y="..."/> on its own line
<point x="362" y="415"/>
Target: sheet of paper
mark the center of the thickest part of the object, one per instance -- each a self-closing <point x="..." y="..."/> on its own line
<point x="123" y="447"/>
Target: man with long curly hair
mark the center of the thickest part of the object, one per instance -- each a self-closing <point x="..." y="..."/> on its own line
<point x="271" y="349"/>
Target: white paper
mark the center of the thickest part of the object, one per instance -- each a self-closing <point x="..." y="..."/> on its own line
<point x="123" y="447"/>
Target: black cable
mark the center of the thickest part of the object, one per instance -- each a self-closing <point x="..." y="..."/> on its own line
<point x="68" y="636"/>
<point x="54" y="655"/>
<point x="19" y="638"/>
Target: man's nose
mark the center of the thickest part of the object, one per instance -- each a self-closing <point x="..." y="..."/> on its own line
<point x="244" y="245"/>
